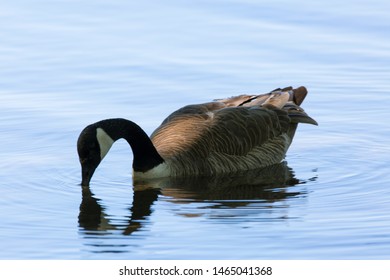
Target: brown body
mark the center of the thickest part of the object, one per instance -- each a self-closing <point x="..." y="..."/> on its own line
<point x="230" y="135"/>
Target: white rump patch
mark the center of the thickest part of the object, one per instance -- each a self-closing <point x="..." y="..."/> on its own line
<point x="104" y="140"/>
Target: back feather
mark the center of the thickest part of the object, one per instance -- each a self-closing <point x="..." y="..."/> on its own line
<point x="241" y="132"/>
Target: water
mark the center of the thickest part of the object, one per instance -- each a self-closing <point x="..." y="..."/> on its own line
<point x="65" y="64"/>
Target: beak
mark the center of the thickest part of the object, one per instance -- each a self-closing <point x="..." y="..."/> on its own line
<point x="86" y="175"/>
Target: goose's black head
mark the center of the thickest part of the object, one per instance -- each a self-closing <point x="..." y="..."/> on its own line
<point x="96" y="140"/>
<point x="88" y="148"/>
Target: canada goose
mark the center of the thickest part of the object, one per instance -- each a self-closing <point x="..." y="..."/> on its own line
<point x="228" y="135"/>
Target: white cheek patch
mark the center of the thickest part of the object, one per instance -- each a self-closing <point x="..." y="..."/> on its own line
<point x="105" y="142"/>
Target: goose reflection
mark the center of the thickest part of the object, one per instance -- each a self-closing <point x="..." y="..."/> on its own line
<point x="94" y="220"/>
<point x="267" y="185"/>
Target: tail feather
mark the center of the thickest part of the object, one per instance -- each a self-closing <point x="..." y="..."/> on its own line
<point x="288" y="99"/>
<point x="297" y="114"/>
<point x="299" y="95"/>
<point x="277" y="99"/>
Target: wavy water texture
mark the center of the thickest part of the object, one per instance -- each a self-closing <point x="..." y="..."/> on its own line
<point x="67" y="64"/>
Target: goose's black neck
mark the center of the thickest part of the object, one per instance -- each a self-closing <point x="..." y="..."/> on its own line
<point x="145" y="154"/>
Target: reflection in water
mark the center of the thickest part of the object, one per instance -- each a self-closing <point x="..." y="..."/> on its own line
<point x="92" y="217"/>
<point x="265" y="186"/>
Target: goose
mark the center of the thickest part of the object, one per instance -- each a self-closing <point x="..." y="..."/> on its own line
<point x="224" y="136"/>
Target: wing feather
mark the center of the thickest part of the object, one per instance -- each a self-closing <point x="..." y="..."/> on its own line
<point x="222" y="136"/>
<point x="231" y="131"/>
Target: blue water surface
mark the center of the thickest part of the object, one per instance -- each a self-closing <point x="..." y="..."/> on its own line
<point x="66" y="64"/>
